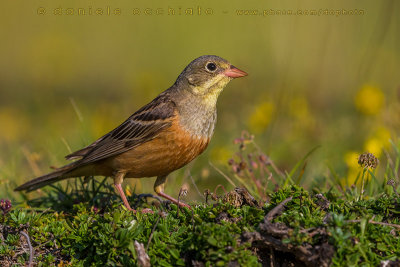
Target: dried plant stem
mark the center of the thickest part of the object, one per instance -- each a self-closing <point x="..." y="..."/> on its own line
<point x="222" y="173"/>
<point x="152" y="232"/>
<point x="194" y="184"/>
<point x="362" y="182"/>
<point x="28" y="240"/>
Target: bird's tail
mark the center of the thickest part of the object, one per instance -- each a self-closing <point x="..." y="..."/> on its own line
<point x="57" y="175"/>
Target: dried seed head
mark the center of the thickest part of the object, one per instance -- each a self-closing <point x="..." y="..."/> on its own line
<point x="263" y="158"/>
<point x="242" y="165"/>
<point x="206" y="192"/>
<point x="233" y="198"/>
<point x="368" y="160"/>
<point x="254" y="165"/>
<point x="184" y="190"/>
<point x="235" y="168"/>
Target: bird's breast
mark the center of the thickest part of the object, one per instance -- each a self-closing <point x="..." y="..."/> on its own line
<point x="198" y="120"/>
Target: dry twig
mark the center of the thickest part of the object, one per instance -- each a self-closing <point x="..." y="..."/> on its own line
<point x="269" y="240"/>
<point x="152" y="232"/>
<point x="28" y="240"/>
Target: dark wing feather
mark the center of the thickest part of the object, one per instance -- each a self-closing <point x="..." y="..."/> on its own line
<point x="139" y="128"/>
<point x="82" y="152"/>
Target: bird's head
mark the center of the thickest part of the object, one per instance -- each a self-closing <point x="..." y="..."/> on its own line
<point x="206" y="77"/>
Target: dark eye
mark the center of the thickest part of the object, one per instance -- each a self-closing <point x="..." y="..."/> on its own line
<point x="211" y="66"/>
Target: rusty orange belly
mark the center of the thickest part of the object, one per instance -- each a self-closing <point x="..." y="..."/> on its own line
<point x="170" y="150"/>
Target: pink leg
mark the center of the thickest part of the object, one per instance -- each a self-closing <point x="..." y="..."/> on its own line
<point x="173" y="200"/>
<point x="122" y="194"/>
<point x="159" y="189"/>
<point x="118" y="179"/>
<point x="126" y="203"/>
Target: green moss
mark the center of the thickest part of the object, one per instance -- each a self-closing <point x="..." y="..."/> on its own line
<point x="209" y="233"/>
<point x="89" y="238"/>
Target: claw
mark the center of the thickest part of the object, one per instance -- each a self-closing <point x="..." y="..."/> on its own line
<point x="147" y="211"/>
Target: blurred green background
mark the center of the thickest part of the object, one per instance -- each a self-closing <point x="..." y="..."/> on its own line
<point x="326" y="79"/>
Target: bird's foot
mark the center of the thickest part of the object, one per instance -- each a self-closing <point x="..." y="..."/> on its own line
<point x="130" y="209"/>
<point x="173" y="200"/>
<point x="184" y="205"/>
<point x="147" y="211"/>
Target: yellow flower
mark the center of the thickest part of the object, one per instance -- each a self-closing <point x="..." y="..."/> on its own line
<point x="383" y="134"/>
<point x="351" y="159"/>
<point x="128" y="191"/>
<point x="369" y="100"/>
<point x="378" y="142"/>
<point x="261" y="117"/>
<point x="374" y="146"/>
<point x="133" y="186"/>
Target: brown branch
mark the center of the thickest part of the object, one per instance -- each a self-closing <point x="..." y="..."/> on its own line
<point x="275" y="211"/>
<point x="270" y="239"/>
<point x="271" y="228"/>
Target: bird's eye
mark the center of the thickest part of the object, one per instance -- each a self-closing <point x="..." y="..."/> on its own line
<point x="211" y="67"/>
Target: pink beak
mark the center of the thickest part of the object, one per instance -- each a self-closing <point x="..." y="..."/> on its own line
<point x="234" y="72"/>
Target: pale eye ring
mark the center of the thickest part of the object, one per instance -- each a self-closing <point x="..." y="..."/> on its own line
<point x="211" y="67"/>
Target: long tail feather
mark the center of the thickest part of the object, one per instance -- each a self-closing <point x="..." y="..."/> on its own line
<point x="47" y="179"/>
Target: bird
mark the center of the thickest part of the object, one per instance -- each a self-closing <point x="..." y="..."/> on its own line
<point x="159" y="138"/>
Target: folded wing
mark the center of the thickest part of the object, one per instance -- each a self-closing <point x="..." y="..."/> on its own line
<point x="141" y="127"/>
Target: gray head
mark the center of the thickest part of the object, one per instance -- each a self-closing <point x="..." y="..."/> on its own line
<point x="206" y="76"/>
<point x="198" y="88"/>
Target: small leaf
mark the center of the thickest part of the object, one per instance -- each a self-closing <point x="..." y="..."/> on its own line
<point x="212" y="241"/>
